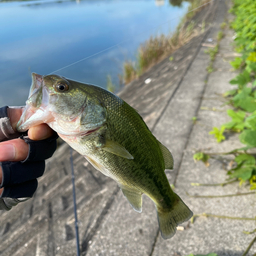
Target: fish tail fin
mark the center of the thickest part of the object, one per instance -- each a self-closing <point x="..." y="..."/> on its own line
<point x="169" y="220"/>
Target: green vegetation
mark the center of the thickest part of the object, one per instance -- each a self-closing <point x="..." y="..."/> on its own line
<point x="220" y="35"/>
<point x="194" y="119"/>
<point x="214" y="51"/>
<point x="200" y="156"/>
<point x="158" y="47"/>
<point x="177" y="2"/>
<point x="242" y="112"/>
<point x="223" y="25"/>
<point x="242" y="98"/>
<point x="218" y="133"/>
<point x="195" y="7"/>
<point x="110" y="86"/>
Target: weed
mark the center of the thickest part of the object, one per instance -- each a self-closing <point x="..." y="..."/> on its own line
<point x="129" y="72"/>
<point x="210" y="68"/>
<point x="195" y="7"/>
<point x="218" y="133"/>
<point x="201" y="156"/>
<point x="237" y="63"/>
<point x="220" y="35"/>
<point x="194" y="119"/>
<point x="110" y="86"/>
<point x="213" y="52"/>
<point x="151" y="51"/>
<point x="223" y="25"/>
<point x="202" y="26"/>
<point x="243" y="98"/>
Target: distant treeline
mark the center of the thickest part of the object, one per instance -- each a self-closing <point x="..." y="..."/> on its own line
<point x="178" y="2"/>
<point x="172" y="2"/>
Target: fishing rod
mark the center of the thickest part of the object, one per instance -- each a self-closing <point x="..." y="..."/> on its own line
<point x="74" y="202"/>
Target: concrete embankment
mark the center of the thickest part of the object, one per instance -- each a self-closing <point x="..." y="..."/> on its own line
<point x="44" y="226"/>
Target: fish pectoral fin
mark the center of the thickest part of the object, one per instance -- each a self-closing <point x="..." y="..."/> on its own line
<point x="97" y="165"/>
<point x="116" y="149"/>
<point x="168" y="158"/>
<point x="133" y="197"/>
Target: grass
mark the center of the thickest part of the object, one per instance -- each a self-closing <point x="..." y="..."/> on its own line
<point x="220" y="35"/>
<point x="110" y="86"/>
<point x="195" y="7"/>
<point x="156" y="48"/>
<point x="223" y="25"/>
<point x="214" y="51"/>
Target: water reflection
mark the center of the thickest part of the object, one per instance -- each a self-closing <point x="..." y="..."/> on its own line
<point x="47" y="35"/>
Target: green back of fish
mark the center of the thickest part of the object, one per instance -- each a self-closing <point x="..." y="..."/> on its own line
<point x="145" y="172"/>
<point x="126" y="127"/>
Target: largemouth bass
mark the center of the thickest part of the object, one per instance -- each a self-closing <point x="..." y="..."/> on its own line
<point x="113" y="137"/>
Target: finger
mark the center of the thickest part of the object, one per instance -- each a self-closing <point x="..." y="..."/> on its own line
<point x="1" y="177"/>
<point x="14" y="114"/>
<point x="40" y="132"/>
<point x="13" y="150"/>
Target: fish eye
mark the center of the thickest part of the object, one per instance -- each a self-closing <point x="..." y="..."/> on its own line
<point x="61" y="87"/>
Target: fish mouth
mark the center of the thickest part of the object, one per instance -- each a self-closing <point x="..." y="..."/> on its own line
<point x="78" y="134"/>
<point x="36" y="110"/>
<point x="37" y="81"/>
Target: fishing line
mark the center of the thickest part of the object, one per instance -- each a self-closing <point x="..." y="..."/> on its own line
<point x="71" y="151"/>
<point x="74" y="201"/>
<point x="124" y="41"/>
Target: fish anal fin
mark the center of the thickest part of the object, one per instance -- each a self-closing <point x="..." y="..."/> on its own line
<point x="169" y="220"/>
<point x="168" y="158"/>
<point x="116" y="149"/>
<point x="134" y="197"/>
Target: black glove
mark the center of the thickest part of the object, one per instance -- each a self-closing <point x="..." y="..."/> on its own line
<point x="20" y="178"/>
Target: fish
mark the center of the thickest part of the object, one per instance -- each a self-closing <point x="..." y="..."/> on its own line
<point x="113" y="137"/>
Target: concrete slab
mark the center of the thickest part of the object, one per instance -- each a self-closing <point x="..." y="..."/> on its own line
<point x="222" y="236"/>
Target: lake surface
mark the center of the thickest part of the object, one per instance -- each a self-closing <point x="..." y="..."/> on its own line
<point x="45" y="36"/>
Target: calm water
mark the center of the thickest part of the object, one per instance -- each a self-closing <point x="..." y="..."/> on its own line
<point x="44" y="36"/>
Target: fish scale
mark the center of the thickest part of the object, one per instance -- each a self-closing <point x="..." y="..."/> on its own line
<point x="113" y="137"/>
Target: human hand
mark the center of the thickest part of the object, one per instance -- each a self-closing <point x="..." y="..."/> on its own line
<point x="17" y="149"/>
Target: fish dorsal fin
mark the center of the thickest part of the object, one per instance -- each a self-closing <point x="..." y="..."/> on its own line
<point x="116" y="149"/>
<point x="133" y="196"/>
<point x="168" y="159"/>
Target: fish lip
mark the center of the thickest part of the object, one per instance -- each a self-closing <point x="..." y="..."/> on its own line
<point x="81" y="134"/>
<point x="37" y="81"/>
<point x="90" y="131"/>
<point x="31" y="108"/>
